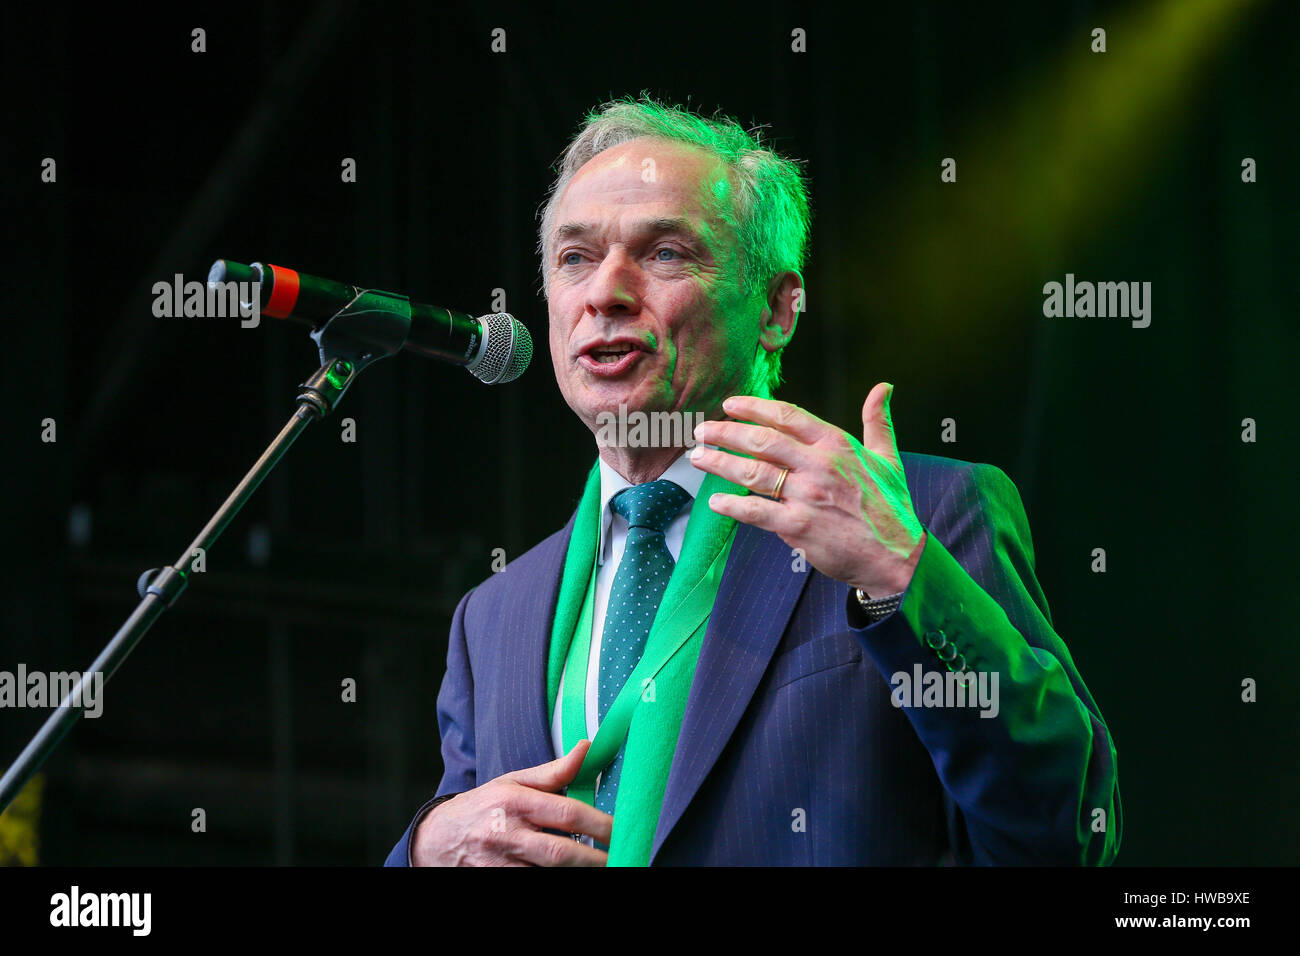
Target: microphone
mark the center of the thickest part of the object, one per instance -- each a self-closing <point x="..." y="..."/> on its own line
<point x="496" y="348"/>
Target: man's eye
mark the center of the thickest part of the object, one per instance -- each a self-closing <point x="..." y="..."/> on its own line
<point x="571" y="258"/>
<point x="671" y="252"/>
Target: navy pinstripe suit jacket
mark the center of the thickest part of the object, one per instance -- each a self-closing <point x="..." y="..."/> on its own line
<point x="791" y="751"/>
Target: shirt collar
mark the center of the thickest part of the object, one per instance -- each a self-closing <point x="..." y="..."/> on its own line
<point x="680" y="472"/>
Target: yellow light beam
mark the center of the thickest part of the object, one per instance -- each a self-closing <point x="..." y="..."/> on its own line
<point x="1050" y="166"/>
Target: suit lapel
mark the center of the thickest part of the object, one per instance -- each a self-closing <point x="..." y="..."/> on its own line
<point x="534" y="630"/>
<point x="563" y="566"/>
<point x="756" y="597"/>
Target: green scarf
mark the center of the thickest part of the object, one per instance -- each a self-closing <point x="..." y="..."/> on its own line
<point x="656" y="708"/>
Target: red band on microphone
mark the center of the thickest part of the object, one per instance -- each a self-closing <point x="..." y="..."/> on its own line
<point x="284" y="292"/>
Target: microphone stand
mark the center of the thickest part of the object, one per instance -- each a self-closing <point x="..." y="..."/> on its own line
<point x="351" y="340"/>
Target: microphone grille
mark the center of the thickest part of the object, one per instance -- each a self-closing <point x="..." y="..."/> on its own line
<point x="506" y="351"/>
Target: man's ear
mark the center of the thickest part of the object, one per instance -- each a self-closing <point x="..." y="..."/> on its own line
<point x="785" y="294"/>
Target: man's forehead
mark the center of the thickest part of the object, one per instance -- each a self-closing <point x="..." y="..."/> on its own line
<point x="649" y="171"/>
<point x="634" y="152"/>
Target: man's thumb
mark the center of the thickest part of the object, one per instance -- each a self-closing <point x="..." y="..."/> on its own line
<point x="878" y="423"/>
<point x="556" y="774"/>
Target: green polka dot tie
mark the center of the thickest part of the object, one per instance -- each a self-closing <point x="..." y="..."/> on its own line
<point x="634" y="598"/>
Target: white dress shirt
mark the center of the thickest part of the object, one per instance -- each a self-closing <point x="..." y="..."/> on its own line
<point x="609" y="552"/>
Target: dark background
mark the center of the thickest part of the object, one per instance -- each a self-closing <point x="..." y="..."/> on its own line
<point x="1117" y="166"/>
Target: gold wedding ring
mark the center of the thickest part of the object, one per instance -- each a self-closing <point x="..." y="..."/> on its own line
<point x="780" y="483"/>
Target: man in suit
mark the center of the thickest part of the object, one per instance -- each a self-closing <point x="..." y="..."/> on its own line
<point x="786" y="646"/>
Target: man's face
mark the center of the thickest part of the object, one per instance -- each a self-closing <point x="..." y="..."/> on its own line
<point x="643" y="288"/>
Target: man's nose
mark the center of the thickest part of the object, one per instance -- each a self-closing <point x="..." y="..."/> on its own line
<point x="615" y="287"/>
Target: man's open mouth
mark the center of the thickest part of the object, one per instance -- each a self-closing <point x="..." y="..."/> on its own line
<point x="611" y="359"/>
<point x="608" y="354"/>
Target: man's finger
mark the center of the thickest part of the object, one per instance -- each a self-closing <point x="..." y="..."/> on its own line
<point x="547" y="849"/>
<point x="759" y="512"/>
<point x="761" y="441"/>
<point x="755" y="474"/>
<point x="555" y="775"/>
<point x="878" y="422"/>
<point x="565" y="813"/>
<point x="798" y="423"/>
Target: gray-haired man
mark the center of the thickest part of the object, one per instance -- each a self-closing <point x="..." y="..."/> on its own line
<point x="727" y="626"/>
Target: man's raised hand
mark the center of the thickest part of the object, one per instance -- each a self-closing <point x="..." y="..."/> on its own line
<point x="844" y="503"/>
